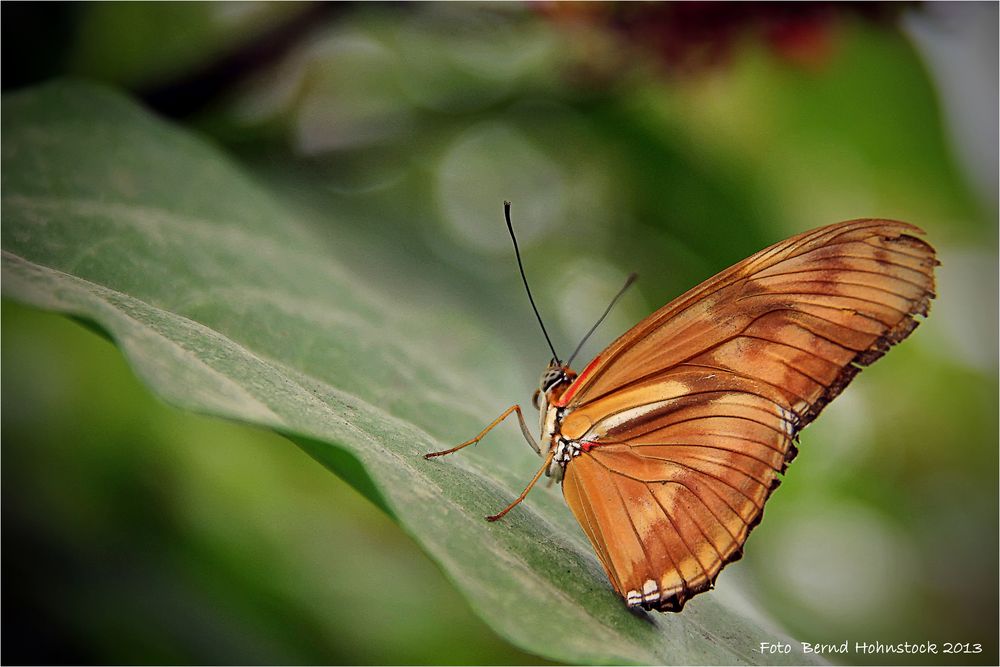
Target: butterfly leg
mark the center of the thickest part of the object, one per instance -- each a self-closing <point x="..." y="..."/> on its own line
<point x="548" y="461"/>
<point x="506" y="413"/>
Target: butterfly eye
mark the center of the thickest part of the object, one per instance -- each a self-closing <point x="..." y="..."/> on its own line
<point x="552" y="378"/>
<point x="534" y="398"/>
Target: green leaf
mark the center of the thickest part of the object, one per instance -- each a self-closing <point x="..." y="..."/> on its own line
<point x="227" y="304"/>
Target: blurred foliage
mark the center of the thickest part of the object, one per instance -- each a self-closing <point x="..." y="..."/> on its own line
<point x="414" y="122"/>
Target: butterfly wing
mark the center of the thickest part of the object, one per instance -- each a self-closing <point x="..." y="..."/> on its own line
<point x="688" y="419"/>
<point x="668" y="497"/>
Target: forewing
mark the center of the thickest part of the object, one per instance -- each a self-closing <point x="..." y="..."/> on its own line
<point x="688" y="419"/>
<point x="795" y="314"/>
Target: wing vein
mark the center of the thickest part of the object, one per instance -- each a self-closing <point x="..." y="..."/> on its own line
<point x="711" y="543"/>
<point x="680" y="538"/>
<point x="718" y="463"/>
<point x="635" y="529"/>
<point x="678" y="482"/>
<point x="771" y="292"/>
<point x="707" y="446"/>
<point x="720" y="415"/>
<point x="853" y="269"/>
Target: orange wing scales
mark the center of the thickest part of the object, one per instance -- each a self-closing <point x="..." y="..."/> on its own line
<point x="691" y="416"/>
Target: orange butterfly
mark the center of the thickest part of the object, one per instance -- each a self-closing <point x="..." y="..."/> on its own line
<point x="670" y="441"/>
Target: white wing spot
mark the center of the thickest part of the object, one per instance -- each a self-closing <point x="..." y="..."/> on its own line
<point x="651" y="592"/>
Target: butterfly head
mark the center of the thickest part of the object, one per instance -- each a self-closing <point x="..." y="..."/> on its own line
<point x="554" y="381"/>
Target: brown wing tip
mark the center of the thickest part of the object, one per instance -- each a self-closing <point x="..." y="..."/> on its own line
<point x="866" y="358"/>
<point x="904" y="327"/>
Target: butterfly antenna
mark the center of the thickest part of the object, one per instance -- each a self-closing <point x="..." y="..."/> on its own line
<point x="628" y="283"/>
<point x="510" y="228"/>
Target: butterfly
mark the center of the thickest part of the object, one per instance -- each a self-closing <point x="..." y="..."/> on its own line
<point x="670" y="441"/>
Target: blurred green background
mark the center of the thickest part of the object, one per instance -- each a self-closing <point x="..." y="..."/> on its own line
<point x="668" y="139"/>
